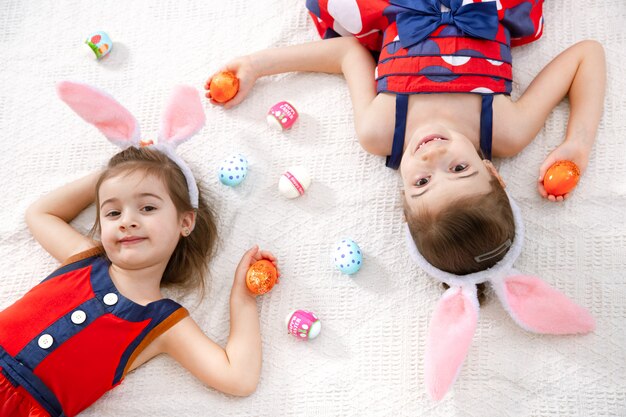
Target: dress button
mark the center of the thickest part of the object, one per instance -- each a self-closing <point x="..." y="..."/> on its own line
<point x="110" y="299"/>
<point x="78" y="317"/>
<point x="45" y="341"/>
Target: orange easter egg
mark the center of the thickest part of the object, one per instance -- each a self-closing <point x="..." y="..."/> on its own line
<point x="261" y="277"/>
<point x="561" y="178"/>
<point x="224" y="86"/>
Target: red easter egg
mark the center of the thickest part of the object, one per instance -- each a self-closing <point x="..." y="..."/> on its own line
<point x="261" y="277"/>
<point x="223" y="86"/>
<point x="96" y="39"/>
<point x="561" y="178"/>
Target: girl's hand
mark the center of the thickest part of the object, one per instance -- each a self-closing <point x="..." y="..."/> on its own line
<point x="251" y="256"/>
<point x="243" y="69"/>
<point x="569" y="150"/>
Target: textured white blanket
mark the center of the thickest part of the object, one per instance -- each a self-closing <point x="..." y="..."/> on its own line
<point x="367" y="360"/>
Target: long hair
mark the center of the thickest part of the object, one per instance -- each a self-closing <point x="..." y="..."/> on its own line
<point x="453" y="237"/>
<point x="188" y="264"/>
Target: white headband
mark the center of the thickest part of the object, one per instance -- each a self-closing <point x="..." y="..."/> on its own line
<point x="183" y="117"/>
<point x="533" y="305"/>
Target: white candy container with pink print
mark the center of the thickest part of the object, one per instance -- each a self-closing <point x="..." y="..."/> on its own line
<point x="282" y="115"/>
<point x="294" y="182"/>
<point x="303" y="325"/>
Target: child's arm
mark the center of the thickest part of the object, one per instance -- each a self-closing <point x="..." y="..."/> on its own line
<point x="48" y="218"/>
<point x="580" y="73"/>
<point x="236" y="368"/>
<point x="342" y="55"/>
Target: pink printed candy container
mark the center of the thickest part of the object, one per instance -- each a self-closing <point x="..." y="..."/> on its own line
<point x="282" y="115"/>
<point x="303" y="325"/>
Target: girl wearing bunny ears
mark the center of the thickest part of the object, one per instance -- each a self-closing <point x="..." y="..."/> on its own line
<point x="101" y="314"/>
<point x="436" y="103"/>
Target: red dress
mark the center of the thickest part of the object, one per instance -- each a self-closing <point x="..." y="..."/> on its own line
<point x="448" y="58"/>
<point x="435" y="46"/>
<point x="72" y="338"/>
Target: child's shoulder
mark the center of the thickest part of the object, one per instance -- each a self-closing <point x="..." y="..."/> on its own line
<point x="509" y="136"/>
<point x="96" y="251"/>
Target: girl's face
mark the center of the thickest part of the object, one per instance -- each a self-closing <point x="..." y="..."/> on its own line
<point x="140" y="226"/>
<point x="439" y="165"/>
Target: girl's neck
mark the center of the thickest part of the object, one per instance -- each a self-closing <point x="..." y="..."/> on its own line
<point x="460" y="112"/>
<point x="141" y="286"/>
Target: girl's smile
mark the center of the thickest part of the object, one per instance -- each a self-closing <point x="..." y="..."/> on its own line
<point x="140" y="224"/>
<point x="429" y="139"/>
<point x="131" y="240"/>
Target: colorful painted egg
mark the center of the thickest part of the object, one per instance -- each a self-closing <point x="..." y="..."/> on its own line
<point x="100" y="43"/>
<point x="348" y="256"/>
<point x="303" y="325"/>
<point x="233" y="170"/>
<point x="224" y="86"/>
<point x="294" y="182"/>
<point x="261" y="277"/>
<point x="561" y="178"/>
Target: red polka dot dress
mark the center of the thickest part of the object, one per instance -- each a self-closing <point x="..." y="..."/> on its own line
<point x="436" y="46"/>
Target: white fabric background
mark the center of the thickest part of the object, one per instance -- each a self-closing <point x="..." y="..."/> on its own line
<point x="368" y="358"/>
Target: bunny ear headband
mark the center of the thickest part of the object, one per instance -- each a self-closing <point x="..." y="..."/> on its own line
<point x="183" y="117"/>
<point x="533" y="305"/>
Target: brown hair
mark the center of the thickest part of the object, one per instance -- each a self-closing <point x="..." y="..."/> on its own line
<point x="188" y="264"/>
<point x="468" y="227"/>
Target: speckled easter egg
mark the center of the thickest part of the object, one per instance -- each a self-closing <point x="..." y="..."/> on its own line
<point x="561" y="178"/>
<point x="348" y="257"/>
<point x="261" y="277"/>
<point x="223" y="86"/>
<point x="233" y="170"/>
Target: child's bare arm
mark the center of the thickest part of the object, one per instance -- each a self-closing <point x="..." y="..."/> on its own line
<point x="580" y="73"/>
<point x="334" y="56"/>
<point x="343" y="55"/>
<point x="236" y="368"/>
<point x="48" y="218"/>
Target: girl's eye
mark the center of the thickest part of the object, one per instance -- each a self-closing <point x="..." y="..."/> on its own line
<point x="112" y="213"/>
<point x="149" y="208"/>
<point x="459" y="168"/>
<point x="422" y="182"/>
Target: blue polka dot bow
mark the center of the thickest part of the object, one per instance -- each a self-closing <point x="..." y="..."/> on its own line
<point x="422" y="17"/>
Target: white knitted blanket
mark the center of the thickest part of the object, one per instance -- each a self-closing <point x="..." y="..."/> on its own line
<point x="368" y="359"/>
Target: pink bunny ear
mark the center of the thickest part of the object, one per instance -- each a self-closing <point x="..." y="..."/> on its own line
<point x="102" y="111"/>
<point x="450" y="334"/>
<point x="183" y="116"/>
<point x="539" y="308"/>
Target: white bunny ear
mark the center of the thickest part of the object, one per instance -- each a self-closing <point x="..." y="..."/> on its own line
<point x="450" y="335"/>
<point x="539" y="308"/>
<point x="183" y="116"/>
<point x="102" y="111"/>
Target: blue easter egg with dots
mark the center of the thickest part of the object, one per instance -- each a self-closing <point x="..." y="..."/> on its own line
<point x="348" y="256"/>
<point x="233" y="170"/>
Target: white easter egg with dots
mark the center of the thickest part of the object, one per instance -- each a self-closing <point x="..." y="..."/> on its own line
<point x="348" y="257"/>
<point x="233" y="170"/>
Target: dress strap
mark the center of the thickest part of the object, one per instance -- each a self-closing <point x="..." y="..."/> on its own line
<point x="402" y="105"/>
<point x="486" y="126"/>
